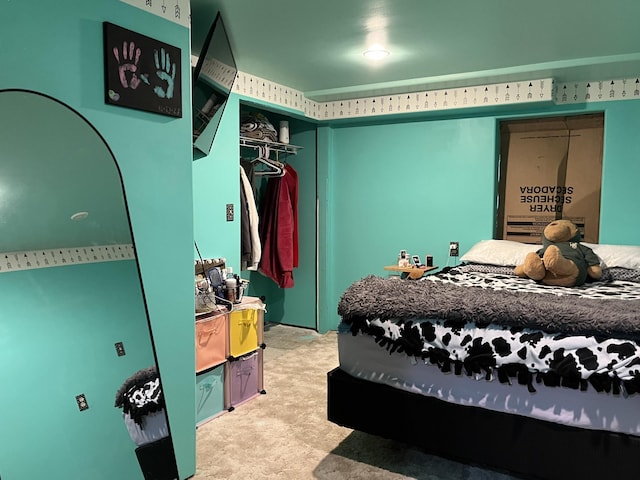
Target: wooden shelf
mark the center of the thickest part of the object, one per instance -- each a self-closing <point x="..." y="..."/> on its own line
<point x="412" y="272"/>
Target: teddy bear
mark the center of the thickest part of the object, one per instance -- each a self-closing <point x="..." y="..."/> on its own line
<point x="562" y="261"/>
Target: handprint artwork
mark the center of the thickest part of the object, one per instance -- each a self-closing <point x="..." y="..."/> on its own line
<point x="141" y="72"/>
<point x="163" y="74"/>
<point x="127" y="70"/>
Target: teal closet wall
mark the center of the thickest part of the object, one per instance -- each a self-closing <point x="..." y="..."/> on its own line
<point x="417" y="184"/>
<point x="216" y="183"/>
<point x="57" y="49"/>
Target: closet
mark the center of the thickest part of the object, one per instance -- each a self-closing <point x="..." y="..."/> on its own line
<point x="265" y="160"/>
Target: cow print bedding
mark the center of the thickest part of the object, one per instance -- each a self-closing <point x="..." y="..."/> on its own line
<point x="511" y="353"/>
<point x="613" y="285"/>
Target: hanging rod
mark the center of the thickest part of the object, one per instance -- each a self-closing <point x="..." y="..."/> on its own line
<point x="273" y="146"/>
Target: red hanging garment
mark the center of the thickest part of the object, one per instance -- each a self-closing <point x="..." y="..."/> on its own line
<point x="279" y="229"/>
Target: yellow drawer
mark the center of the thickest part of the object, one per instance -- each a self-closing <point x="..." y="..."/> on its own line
<point x="245" y="330"/>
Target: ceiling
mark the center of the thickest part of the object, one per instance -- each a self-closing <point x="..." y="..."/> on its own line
<point x="316" y="47"/>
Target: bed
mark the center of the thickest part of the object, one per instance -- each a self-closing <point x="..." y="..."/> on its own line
<point x="478" y="365"/>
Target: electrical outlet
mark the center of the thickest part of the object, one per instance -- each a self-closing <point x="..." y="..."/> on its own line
<point x="454" y="249"/>
<point x="229" y="212"/>
<point x="120" y="349"/>
<point x="81" y="400"/>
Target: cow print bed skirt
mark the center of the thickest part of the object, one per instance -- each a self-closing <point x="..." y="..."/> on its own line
<point x="513" y="354"/>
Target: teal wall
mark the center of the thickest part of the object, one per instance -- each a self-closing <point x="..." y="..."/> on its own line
<point x="57" y="336"/>
<point x="216" y="182"/>
<point x="406" y="185"/>
<point x="420" y="183"/>
<point x="327" y="273"/>
<point x="621" y="171"/>
<point x="56" y="48"/>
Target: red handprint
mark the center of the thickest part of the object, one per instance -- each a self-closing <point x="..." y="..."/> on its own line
<point x="130" y="65"/>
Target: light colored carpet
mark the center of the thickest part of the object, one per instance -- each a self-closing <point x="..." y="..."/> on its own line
<point x="285" y="434"/>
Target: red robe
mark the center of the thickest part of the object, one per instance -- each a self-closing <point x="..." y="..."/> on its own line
<point x="279" y="228"/>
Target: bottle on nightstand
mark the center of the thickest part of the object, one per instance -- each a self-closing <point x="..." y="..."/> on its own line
<point x="403" y="259"/>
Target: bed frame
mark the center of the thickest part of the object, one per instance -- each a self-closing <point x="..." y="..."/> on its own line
<point x="526" y="447"/>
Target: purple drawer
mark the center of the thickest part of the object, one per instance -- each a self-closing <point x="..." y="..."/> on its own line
<point x="245" y="378"/>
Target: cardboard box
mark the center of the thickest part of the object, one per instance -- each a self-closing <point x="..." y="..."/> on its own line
<point x="551" y="168"/>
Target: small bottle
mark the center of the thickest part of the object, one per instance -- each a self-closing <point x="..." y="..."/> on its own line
<point x="209" y="104"/>
<point x="284" y="132"/>
<point x="231" y="285"/>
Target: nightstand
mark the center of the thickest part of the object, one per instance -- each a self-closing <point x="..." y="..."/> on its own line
<point x="410" y="272"/>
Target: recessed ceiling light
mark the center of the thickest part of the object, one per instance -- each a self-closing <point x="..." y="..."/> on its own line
<point x="79" y="216"/>
<point x="376" y="52"/>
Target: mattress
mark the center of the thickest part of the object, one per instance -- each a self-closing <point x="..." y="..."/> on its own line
<point x="479" y="336"/>
<point x="361" y="357"/>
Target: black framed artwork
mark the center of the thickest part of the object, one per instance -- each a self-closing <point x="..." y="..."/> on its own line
<point x="141" y="72"/>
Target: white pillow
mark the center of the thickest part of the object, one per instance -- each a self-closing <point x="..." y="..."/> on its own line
<point x="499" y="252"/>
<point x="624" y="256"/>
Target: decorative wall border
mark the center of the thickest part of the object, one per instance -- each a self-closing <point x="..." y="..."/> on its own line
<point x="177" y="11"/>
<point x="62" y="257"/>
<point x="597" y="91"/>
<point x="477" y="96"/>
<point x="491" y="95"/>
<point x="217" y="71"/>
<point x="272" y="92"/>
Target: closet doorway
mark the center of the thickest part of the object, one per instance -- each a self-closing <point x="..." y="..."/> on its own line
<point x="292" y="302"/>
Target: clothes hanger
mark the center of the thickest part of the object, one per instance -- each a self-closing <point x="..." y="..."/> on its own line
<point x="274" y="168"/>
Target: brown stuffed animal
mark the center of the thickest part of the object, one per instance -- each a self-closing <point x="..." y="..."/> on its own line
<point x="562" y="261"/>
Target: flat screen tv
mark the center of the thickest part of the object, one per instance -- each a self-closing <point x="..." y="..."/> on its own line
<point x="213" y="78"/>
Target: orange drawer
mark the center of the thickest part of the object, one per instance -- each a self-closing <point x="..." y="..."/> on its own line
<point x="211" y="341"/>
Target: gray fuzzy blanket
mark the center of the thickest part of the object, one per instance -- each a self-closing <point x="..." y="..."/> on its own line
<point x="387" y="298"/>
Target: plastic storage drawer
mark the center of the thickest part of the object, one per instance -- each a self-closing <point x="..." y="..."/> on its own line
<point x="245" y="377"/>
<point x="210" y="394"/>
<point x="212" y="346"/>
<point x="246" y="328"/>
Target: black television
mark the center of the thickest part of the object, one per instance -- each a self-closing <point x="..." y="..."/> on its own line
<point x="213" y="77"/>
